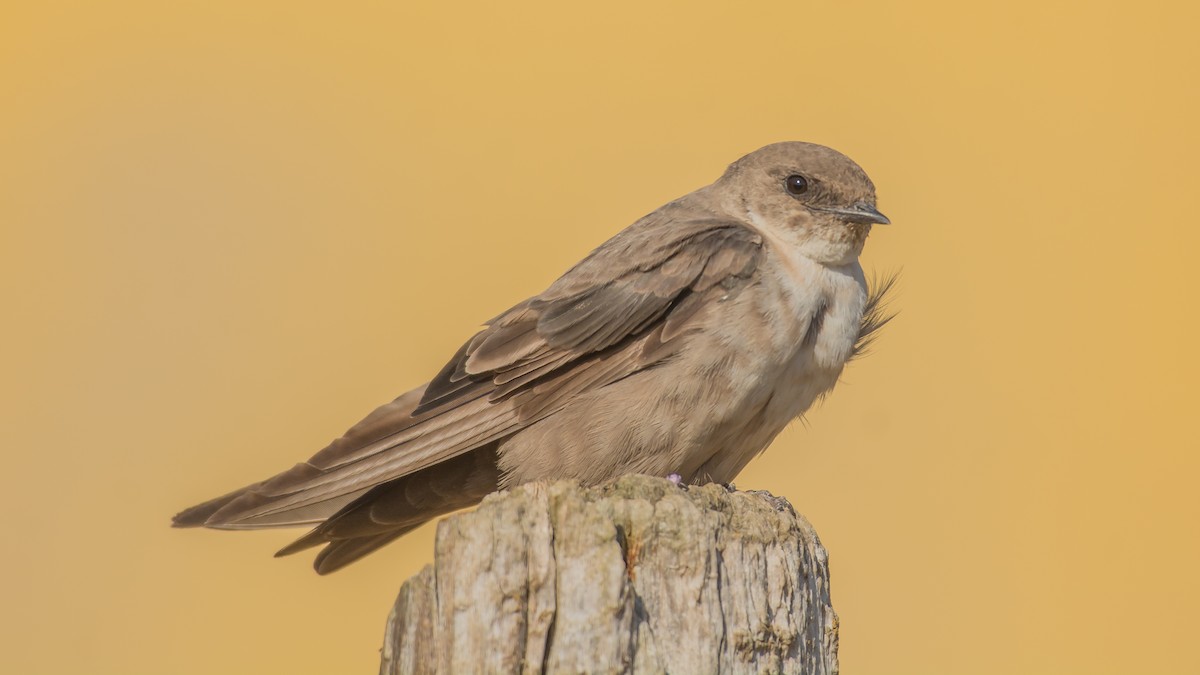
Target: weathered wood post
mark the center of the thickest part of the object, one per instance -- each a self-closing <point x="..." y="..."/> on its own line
<point x="637" y="576"/>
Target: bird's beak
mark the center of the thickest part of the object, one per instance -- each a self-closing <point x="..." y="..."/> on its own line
<point x="861" y="212"/>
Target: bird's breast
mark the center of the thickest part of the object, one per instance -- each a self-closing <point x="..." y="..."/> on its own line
<point x="796" y="328"/>
<point x="815" y="312"/>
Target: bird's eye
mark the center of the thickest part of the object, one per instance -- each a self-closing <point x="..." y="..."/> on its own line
<point x="796" y="184"/>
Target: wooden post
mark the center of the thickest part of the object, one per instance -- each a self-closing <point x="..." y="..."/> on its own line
<point x="636" y="576"/>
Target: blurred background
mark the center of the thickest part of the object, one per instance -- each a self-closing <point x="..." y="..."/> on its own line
<point x="231" y="229"/>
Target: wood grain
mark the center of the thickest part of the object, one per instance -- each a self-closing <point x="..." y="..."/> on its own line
<point x="635" y="576"/>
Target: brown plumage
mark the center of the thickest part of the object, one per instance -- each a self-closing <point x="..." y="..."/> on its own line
<point x="682" y="345"/>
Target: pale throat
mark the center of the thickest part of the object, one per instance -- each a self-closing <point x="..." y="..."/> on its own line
<point x="823" y="277"/>
<point x="809" y="243"/>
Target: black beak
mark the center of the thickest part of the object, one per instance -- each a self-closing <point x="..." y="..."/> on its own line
<point x="860" y="213"/>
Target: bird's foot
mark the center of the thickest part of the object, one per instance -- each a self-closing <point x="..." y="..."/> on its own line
<point x="677" y="480"/>
<point x="729" y="487"/>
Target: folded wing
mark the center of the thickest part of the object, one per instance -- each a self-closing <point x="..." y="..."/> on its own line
<point x="622" y="309"/>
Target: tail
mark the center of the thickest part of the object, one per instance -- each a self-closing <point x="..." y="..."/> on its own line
<point x="389" y="511"/>
<point x="346" y="491"/>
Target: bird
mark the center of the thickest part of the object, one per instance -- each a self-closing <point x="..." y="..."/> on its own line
<point x="679" y="347"/>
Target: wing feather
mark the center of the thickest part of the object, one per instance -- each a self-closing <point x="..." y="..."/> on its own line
<point x="606" y="318"/>
<point x="617" y="294"/>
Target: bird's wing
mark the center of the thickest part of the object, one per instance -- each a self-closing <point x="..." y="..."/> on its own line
<point x="653" y="275"/>
<point x="618" y="311"/>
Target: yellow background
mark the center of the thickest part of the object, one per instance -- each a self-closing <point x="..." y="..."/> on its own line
<point x="230" y="229"/>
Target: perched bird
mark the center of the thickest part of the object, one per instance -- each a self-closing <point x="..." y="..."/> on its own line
<point x="683" y="345"/>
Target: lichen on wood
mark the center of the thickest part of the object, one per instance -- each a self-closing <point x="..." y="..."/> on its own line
<point x="636" y="576"/>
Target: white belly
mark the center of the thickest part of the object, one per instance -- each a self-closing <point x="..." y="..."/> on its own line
<point x="808" y="317"/>
<point x="755" y="364"/>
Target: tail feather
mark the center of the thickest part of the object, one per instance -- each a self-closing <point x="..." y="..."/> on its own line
<point x="393" y="509"/>
<point x="338" y="554"/>
<point x="313" y="538"/>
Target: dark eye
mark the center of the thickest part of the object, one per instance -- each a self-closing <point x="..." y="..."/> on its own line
<point x="796" y="184"/>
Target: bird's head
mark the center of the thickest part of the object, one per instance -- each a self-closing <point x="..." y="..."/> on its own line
<point x="810" y="196"/>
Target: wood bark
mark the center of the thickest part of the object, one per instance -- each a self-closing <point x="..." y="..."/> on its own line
<point x="636" y="576"/>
